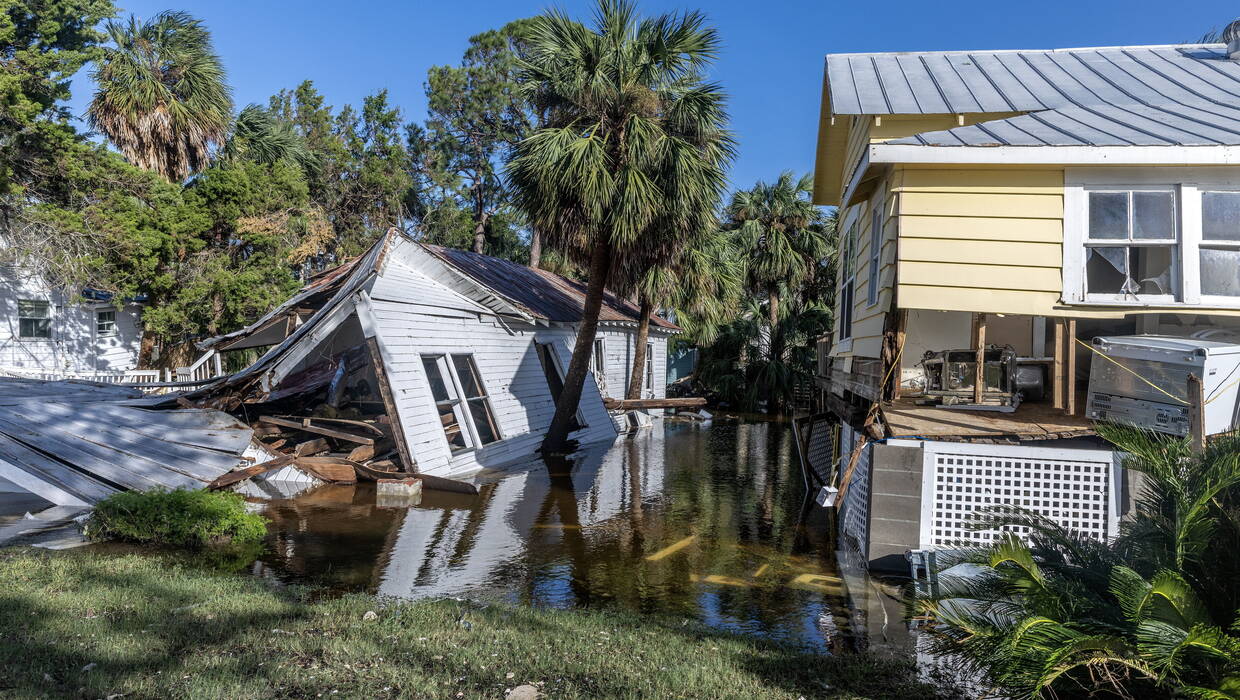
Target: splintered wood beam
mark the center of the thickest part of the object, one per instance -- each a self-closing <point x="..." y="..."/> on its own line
<point x="311" y="447"/>
<point x="901" y="330"/>
<point x="250" y="472"/>
<point x="1057" y="370"/>
<point x="304" y="425"/>
<point x="389" y="404"/>
<point x="979" y="357"/>
<point x="1069" y="348"/>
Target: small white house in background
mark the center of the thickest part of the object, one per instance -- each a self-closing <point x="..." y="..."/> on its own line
<point x="462" y="354"/>
<point x="50" y="331"/>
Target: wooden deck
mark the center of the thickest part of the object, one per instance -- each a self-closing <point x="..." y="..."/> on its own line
<point x="1032" y="421"/>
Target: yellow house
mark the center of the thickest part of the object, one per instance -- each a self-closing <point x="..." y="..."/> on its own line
<point x="1030" y="200"/>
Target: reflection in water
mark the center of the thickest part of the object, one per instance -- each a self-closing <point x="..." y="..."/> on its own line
<point x="703" y="521"/>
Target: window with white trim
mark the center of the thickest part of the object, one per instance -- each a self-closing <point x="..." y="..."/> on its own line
<point x="34" y="319"/>
<point x="105" y="323"/>
<point x="848" y="280"/>
<point x="1131" y="244"/>
<point x="876" y="250"/>
<point x="1143" y="242"/>
<point x="461" y="400"/>
<point x="649" y="369"/>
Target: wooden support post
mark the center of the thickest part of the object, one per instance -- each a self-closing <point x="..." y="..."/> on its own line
<point x="1057" y="368"/>
<point x="901" y="329"/>
<point x="1196" y="414"/>
<point x="1070" y="375"/>
<point x="979" y="357"/>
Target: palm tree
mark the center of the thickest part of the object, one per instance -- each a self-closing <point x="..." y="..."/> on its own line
<point x="1155" y="614"/>
<point x="702" y="286"/>
<point x="781" y="229"/>
<point x="262" y="137"/>
<point x="162" y="98"/>
<point x="630" y="157"/>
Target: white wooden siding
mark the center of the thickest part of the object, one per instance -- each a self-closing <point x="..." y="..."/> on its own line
<point x="74" y="345"/>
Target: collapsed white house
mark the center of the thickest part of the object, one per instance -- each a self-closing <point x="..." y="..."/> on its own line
<point x="459" y="356"/>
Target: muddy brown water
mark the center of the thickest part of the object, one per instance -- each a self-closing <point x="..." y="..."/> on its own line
<point x="711" y="522"/>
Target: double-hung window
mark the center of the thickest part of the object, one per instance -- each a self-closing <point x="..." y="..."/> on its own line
<point x="1219" y="251"/>
<point x="105" y="323"/>
<point x="34" y="319"/>
<point x="649" y="369"/>
<point x="1132" y="244"/>
<point x="461" y="401"/>
<point x="1152" y="237"/>
<point x="848" y="280"/>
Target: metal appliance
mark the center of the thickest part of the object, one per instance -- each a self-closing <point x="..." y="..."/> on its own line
<point x="950" y="377"/>
<point x="1131" y="388"/>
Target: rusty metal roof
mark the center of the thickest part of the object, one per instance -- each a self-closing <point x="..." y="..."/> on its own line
<point x="542" y="294"/>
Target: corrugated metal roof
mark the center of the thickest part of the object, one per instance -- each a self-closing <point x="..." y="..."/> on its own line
<point x="541" y="294"/>
<point x="1183" y="95"/>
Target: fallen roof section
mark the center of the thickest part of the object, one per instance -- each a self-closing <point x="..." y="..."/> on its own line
<point x="539" y="293"/>
<point x="74" y="443"/>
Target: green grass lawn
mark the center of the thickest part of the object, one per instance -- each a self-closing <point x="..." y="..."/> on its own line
<point x="90" y="624"/>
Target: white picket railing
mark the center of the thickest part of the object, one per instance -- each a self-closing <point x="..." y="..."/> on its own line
<point x="205" y="368"/>
<point x="129" y="376"/>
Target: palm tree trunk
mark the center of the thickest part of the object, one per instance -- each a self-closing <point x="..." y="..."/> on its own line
<point x="639" y="354"/>
<point x="776" y="348"/>
<point x="535" y="247"/>
<point x="480" y="233"/>
<point x="575" y="377"/>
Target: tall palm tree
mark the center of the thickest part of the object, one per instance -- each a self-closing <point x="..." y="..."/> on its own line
<point x="1155" y="614"/>
<point x="702" y="286"/>
<point x="631" y="155"/>
<point x="781" y="229"/>
<point x="262" y="137"/>
<point x="162" y="99"/>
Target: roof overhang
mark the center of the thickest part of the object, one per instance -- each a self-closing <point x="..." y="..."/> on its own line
<point x="1053" y="155"/>
<point x="829" y="158"/>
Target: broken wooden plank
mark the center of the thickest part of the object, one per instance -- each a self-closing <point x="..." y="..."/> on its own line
<point x="439" y="483"/>
<point x="250" y="472"/>
<point x="371" y="427"/>
<point x="311" y="447"/>
<point x="330" y="469"/>
<point x="339" y="435"/>
<point x="639" y="404"/>
<point x="361" y="453"/>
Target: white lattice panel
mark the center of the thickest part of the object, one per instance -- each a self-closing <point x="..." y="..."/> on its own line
<point x="1073" y="487"/>
<point x="855" y="510"/>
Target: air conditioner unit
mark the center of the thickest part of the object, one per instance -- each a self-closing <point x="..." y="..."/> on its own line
<point x="1154" y="364"/>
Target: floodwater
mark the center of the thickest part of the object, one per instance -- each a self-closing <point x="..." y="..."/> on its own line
<point x="711" y="522"/>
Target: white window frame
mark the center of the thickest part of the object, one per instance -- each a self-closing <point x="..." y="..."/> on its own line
<point x="49" y="317"/>
<point x="100" y="331"/>
<point x="553" y="352"/>
<point x="1188" y="184"/>
<point x="876" y="250"/>
<point x="648" y="370"/>
<point x="460" y="403"/>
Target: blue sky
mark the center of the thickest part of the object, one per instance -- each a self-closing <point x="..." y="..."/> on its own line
<point x="771" y="62"/>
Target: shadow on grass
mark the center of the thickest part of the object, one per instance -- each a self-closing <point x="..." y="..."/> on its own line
<point x="153" y="626"/>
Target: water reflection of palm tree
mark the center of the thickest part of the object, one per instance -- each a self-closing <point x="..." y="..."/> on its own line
<point x="561" y="499"/>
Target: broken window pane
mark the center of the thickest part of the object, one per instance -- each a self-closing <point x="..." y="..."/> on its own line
<point x="439" y="390"/>
<point x="1220" y="216"/>
<point x="1108" y="215"/>
<point x="484" y="422"/>
<point x="467" y="372"/>
<point x="1106" y="270"/>
<point x="1150" y="268"/>
<point x="1153" y="215"/>
<point x="1220" y="272"/>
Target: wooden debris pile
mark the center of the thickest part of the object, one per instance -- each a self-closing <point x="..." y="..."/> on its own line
<point x="333" y="450"/>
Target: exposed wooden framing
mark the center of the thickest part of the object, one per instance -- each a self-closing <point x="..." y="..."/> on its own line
<point x="1069" y="348"/>
<point x="1196" y="414"/>
<point x="901" y="331"/>
<point x="249" y="472"/>
<point x="304" y="424"/>
<point x="979" y="357"/>
<point x="389" y="405"/>
<point x="1057" y="367"/>
<point x="311" y="447"/>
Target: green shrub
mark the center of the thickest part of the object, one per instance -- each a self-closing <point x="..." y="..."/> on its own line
<point x="178" y="518"/>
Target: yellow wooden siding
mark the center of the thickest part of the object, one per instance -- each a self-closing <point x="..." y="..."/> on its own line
<point x="986" y="239"/>
<point x="869" y="320"/>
